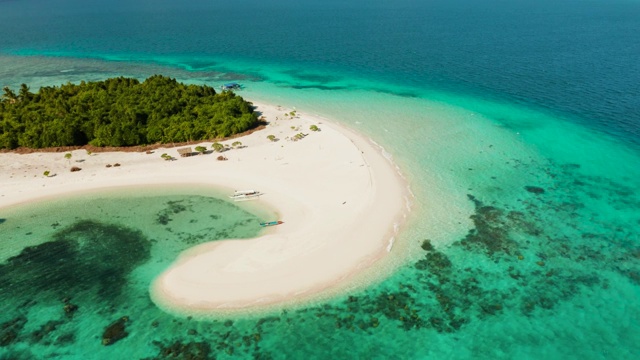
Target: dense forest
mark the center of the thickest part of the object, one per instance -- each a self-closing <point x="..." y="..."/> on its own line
<point x="120" y="112"/>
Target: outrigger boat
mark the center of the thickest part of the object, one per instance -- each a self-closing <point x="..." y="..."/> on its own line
<point x="240" y="195"/>
<point x="230" y="86"/>
<point x="271" y="223"/>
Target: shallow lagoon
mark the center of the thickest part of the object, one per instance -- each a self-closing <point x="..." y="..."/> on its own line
<point x="72" y="265"/>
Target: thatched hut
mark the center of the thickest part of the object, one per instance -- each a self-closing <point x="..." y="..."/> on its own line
<point x="184" y="152"/>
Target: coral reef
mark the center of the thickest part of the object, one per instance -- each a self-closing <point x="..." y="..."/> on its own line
<point x="115" y="331"/>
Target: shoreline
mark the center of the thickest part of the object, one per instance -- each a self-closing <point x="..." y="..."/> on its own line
<point x="341" y="199"/>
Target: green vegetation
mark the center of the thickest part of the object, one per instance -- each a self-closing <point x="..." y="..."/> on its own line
<point x="314" y="128"/>
<point x="236" y="144"/>
<point x="272" y="138"/>
<point x="46" y="173"/>
<point x="166" y="156"/>
<point x="298" y="136"/>
<point x="217" y="147"/>
<point x="201" y="149"/>
<point x="120" y="112"/>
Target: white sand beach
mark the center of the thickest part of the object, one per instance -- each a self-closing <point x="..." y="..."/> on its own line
<point x="340" y="200"/>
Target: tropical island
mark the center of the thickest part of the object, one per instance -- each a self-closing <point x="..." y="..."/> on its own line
<point x="338" y="198"/>
<point x="120" y="112"/>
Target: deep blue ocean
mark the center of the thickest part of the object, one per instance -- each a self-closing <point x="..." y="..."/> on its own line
<point x="516" y="123"/>
<point x="575" y="57"/>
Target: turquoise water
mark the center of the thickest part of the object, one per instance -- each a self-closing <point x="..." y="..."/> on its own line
<point x="72" y="266"/>
<point x="515" y="124"/>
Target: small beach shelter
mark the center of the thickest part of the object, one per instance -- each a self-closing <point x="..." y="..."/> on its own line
<point x="184" y="152"/>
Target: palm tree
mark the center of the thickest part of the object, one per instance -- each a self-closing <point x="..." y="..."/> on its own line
<point x="24" y="94"/>
<point x="9" y="95"/>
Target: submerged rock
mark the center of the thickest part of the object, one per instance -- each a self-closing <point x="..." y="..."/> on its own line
<point x="534" y="189"/>
<point x="114" y="332"/>
<point x="426" y="245"/>
<point x="70" y="309"/>
<point x="10" y="330"/>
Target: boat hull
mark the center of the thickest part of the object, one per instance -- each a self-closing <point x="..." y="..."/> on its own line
<point x="241" y="195"/>
<point x="271" y="223"/>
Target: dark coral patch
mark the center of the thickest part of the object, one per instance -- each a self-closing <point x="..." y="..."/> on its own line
<point x="115" y="331"/>
<point x="10" y="330"/>
<point x="534" y="189"/>
<point x="491" y="231"/>
<point x="81" y="257"/>
<point x="183" y="350"/>
<point x="173" y="208"/>
<point x="426" y="245"/>
<point x="45" y="331"/>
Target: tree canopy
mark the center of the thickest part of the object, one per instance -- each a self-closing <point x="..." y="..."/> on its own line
<point x="120" y="112"/>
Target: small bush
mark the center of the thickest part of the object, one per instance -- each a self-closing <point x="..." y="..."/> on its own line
<point x="217" y="147"/>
